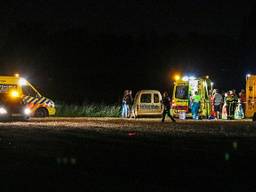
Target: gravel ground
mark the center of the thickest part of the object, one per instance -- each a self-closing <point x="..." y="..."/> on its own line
<point x="111" y="154"/>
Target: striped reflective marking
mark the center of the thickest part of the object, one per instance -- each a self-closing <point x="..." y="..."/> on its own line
<point x="42" y="101"/>
<point x="26" y="98"/>
<point x="34" y="100"/>
<point x="30" y="99"/>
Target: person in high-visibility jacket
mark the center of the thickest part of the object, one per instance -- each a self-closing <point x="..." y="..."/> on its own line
<point x="195" y="105"/>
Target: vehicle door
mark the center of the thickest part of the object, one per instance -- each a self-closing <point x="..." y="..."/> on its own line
<point x="146" y="101"/>
<point x="156" y="105"/>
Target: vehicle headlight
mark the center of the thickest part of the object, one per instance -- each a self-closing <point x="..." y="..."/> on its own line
<point x="14" y="94"/>
<point x="3" y="111"/>
<point x="27" y="111"/>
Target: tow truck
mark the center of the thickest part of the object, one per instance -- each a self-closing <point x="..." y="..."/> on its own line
<point x="184" y="88"/>
<point x="18" y="98"/>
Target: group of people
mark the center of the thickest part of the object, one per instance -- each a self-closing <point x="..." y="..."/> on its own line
<point x="127" y="102"/>
<point x="228" y="105"/>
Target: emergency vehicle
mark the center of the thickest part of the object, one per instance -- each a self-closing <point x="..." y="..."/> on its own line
<point x="147" y="103"/>
<point x="16" y="93"/>
<point x="184" y="89"/>
<point x="250" y="105"/>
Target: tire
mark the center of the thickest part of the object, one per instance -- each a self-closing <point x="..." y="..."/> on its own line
<point x="41" y="112"/>
<point x="254" y="117"/>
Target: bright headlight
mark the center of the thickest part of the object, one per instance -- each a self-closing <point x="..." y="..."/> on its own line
<point x="3" y="111"/>
<point x="27" y="111"/>
<point x="14" y="94"/>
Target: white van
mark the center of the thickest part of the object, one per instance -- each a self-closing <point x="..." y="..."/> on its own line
<point x="147" y="103"/>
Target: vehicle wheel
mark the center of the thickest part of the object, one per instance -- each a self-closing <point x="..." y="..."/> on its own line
<point x="254" y="117"/>
<point x="41" y="112"/>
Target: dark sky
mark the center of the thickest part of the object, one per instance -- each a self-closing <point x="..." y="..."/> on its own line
<point x="102" y="47"/>
<point x="181" y="16"/>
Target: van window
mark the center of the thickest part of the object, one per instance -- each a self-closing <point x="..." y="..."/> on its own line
<point x="181" y="92"/>
<point x="29" y="91"/>
<point x="156" y="98"/>
<point x="145" y="98"/>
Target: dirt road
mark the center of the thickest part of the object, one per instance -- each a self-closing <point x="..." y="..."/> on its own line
<point x="108" y="154"/>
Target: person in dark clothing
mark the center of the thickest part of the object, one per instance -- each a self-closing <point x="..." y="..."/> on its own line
<point x="129" y="103"/>
<point x="231" y="100"/>
<point x="166" y="102"/>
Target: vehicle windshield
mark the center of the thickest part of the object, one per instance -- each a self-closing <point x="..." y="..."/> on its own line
<point x="181" y="92"/>
<point x="4" y="88"/>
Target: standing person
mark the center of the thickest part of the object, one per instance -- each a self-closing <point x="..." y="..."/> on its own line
<point x="130" y="103"/>
<point x="212" y="112"/>
<point x="167" y="106"/>
<point x="196" y="105"/>
<point x="242" y="97"/>
<point x="124" y="112"/>
<point x="224" y="114"/>
<point x="217" y="101"/>
<point x="239" y="113"/>
<point x="231" y="104"/>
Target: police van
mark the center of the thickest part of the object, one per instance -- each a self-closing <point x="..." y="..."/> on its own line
<point x="19" y="97"/>
<point x="147" y="103"/>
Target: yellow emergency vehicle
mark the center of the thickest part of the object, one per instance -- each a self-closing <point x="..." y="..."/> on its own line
<point x="18" y="87"/>
<point x="184" y="88"/>
<point x="250" y="105"/>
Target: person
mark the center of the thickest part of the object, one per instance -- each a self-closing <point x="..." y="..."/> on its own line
<point x="196" y="105"/>
<point x="217" y="102"/>
<point x="231" y="104"/>
<point x="212" y="112"/>
<point x="124" y="112"/>
<point x="224" y="114"/>
<point x="239" y="113"/>
<point x="129" y="103"/>
<point x="242" y="97"/>
<point x="167" y="106"/>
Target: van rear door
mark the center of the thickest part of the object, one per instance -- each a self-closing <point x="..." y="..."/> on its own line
<point x="145" y="103"/>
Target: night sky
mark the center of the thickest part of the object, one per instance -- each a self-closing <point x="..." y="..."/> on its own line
<point x="90" y="51"/>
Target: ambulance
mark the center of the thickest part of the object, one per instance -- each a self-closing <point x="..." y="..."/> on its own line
<point x="19" y="98"/>
<point x="250" y="105"/>
<point x="184" y="88"/>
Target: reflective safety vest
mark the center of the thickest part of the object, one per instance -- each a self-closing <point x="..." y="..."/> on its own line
<point x="196" y="98"/>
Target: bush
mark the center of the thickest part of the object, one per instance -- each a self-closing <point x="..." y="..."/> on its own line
<point x="89" y="110"/>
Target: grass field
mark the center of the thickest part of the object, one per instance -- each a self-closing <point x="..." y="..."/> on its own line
<point x="88" y="110"/>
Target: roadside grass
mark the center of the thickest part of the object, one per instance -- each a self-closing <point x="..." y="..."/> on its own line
<point x="88" y="110"/>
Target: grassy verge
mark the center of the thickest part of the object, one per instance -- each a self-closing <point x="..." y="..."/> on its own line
<point x="90" y="110"/>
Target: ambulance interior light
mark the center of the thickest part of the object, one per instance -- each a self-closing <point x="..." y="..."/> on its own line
<point x="185" y="78"/>
<point x="192" y="78"/>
